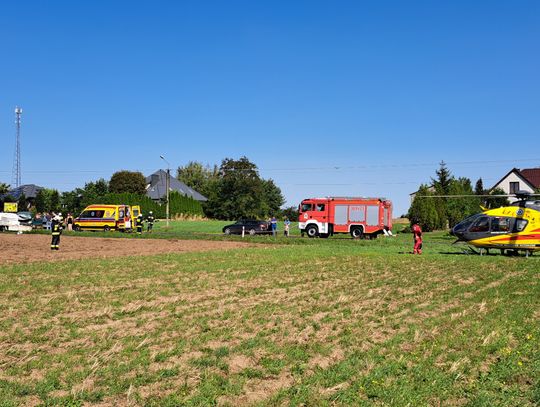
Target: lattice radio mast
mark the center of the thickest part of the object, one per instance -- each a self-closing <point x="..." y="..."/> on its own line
<point x="16" y="175"/>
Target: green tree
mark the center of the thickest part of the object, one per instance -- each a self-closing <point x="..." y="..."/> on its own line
<point x="96" y="188"/>
<point x="479" y="187"/>
<point x="4" y="188"/>
<point x="272" y="199"/>
<point x="442" y="187"/>
<point x="461" y="207"/>
<point x="239" y="191"/>
<point x="54" y="203"/>
<point x="128" y="182"/>
<point x="496" y="201"/>
<point x="200" y="177"/>
<point x="423" y="211"/>
<point x="290" y="212"/>
<point x="22" y="203"/>
<point x="71" y="201"/>
<point x="41" y="202"/>
<point x="443" y="180"/>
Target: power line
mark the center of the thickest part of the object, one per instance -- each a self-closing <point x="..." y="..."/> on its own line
<point x="325" y="168"/>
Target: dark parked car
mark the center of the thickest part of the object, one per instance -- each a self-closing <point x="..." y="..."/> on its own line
<point x="252" y="227"/>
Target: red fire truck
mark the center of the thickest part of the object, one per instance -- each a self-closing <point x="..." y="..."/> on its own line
<point x="361" y="217"/>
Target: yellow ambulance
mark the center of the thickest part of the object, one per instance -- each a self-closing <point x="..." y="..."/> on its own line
<point x="106" y="217"/>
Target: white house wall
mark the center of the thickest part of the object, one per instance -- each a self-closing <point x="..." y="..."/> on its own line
<point x="513" y="177"/>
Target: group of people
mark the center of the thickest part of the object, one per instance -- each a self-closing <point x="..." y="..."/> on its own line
<point x="139" y="222"/>
<point x="44" y="220"/>
<point x="273" y="225"/>
<point x="56" y="224"/>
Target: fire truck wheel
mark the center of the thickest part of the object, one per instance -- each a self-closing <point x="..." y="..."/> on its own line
<point x="357" y="233"/>
<point x="312" y="231"/>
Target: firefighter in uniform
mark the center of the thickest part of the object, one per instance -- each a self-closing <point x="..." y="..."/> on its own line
<point x="139" y="224"/>
<point x="150" y="221"/>
<point x="417" y="233"/>
<point x="56" y="227"/>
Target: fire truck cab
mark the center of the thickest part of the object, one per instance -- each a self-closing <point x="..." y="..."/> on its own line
<point x="360" y="217"/>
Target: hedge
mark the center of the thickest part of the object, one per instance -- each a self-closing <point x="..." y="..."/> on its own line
<point x="179" y="204"/>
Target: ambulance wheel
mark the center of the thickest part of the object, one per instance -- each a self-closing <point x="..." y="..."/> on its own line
<point x="357" y="233"/>
<point x="106" y="229"/>
<point x="76" y="228"/>
<point x="252" y="232"/>
<point x="312" y="231"/>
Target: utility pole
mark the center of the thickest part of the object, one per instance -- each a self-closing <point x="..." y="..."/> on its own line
<point x="168" y="185"/>
<point x="16" y="174"/>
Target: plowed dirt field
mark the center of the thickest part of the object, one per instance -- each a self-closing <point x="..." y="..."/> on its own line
<point x="36" y="248"/>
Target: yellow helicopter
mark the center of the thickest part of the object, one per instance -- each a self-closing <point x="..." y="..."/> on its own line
<point x="510" y="228"/>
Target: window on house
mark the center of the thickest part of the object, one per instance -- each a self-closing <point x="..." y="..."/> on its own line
<point x="514" y="187"/>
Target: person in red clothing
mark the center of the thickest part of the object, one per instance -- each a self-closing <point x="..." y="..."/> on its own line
<point x="417" y="233"/>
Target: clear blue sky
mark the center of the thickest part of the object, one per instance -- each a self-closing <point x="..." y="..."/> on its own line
<point x="327" y="98"/>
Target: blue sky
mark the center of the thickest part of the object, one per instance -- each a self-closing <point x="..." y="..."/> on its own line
<point x="327" y="98"/>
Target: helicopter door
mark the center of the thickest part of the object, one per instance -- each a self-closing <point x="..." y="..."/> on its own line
<point x="501" y="225"/>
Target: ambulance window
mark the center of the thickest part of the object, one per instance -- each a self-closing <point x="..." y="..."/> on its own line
<point x="306" y="207"/>
<point x="520" y="225"/>
<point x="481" y="225"/>
<point x="120" y="213"/>
<point x="500" y="224"/>
<point x="319" y="207"/>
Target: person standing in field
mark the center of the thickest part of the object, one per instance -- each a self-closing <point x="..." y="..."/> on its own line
<point x="69" y="221"/>
<point x="417" y="235"/>
<point x="287" y="224"/>
<point x="56" y="228"/>
<point x="273" y="224"/>
<point x="150" y="221"/>
<point x="140" y="221"/>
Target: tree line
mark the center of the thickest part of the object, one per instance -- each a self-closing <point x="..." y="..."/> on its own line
<point x="434" y="208"/>
<point x="234" y="189"/>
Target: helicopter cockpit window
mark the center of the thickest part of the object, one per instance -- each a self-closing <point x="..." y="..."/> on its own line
<point x="520" y="225"/>
<point x="500" y="224"/>
<point x="481" y="225"/>
<point x="464" y="225"/>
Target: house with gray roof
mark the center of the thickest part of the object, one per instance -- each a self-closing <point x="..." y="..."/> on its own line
<point x="156" y="187"/>
<point x="30" y="191"/>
